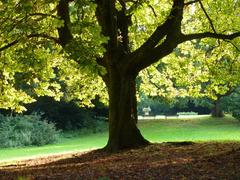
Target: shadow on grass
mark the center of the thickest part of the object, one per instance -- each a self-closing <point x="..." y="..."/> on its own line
<point x="158" y="161"/>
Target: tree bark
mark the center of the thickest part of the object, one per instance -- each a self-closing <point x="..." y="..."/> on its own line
<point x="120" y="78"/>
<point x="64" y="32"/>
<point x="216" y="110"/>
<point x="122" y="65"/>
<point x="123" y="132"/>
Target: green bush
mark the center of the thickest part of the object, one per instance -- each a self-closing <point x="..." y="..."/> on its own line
<point x="26" y="130"/>
<point x="91" y="127"/>
<point x="236" y="114"/>
<point x="232" y="104"/>
<point x="65" y="115"/>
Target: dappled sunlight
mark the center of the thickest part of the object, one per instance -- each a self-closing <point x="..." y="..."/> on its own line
<point x="202" y="129"/>
<point x="172" y="160"/>
<point x="198" y="129"/>
<point x="85" y="84"/>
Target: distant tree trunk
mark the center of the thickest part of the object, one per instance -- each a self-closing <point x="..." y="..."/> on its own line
<point x="123" y="132"/>
<point x="216" y="110"/>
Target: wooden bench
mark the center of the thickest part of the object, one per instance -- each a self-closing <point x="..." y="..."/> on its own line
<point x="171" y="115"/>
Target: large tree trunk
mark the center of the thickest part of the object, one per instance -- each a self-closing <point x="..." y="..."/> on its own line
<point x="216" y="110"/>
<point x="123" y="132"/>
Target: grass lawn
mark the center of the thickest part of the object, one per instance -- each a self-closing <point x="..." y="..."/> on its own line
<point x="181" y="129"/>
<point x="194" y="129"/>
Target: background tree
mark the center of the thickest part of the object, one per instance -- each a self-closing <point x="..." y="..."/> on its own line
<point x="69" y="29"/>
<point x="221" y="66"/>
<point x="223" y="80"/>
<point x="230" y="104"/>
<point x="210" y="73"/>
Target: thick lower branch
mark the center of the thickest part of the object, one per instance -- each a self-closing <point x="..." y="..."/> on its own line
<point x="173" y="22"/>
<point x="64" y="32"/>
<point x="107" y="19"/>
<point x="153" y="55"/>
<point x="157" y="53"/>
<point x="150" y="51"/>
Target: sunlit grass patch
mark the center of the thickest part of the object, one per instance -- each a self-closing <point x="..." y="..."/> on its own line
<point x="163" y="130"/>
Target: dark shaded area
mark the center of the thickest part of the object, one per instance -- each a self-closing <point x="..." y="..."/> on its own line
<point x="66" y="115"/>
<point x="191" y="106"/>
<point x="99" y="108"/>
<point x="231" y="104"/>
<point x="161" y="107"/>
<point x="158" y="161"/>
<point x="183" y="143"/>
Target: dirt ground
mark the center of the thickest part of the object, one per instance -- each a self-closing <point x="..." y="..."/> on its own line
<point x="158" y="161"/>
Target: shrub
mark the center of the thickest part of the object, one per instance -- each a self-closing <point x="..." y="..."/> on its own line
<point x="236" y="114"/>
<point x="96" y="126"/>
<point x="65" y="115"/>
<point x="232" y="104"/>
<point x="26" y="130"/>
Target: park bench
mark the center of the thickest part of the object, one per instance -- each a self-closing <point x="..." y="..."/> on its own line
<point x="171" y="115"/>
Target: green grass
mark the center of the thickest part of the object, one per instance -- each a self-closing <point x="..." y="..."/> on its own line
<point x="81" y="143"/>
<point x="194" y="129"/>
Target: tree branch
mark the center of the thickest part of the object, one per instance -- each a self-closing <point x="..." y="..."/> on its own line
<point x="9" y="45"/>
<point x="208" y="17"/>
<point x="190" y="2"/>
<point x="106" y="15"/>
<point x="234" y="45"/>
<point x="156" y="53"/>
<point x="153" y="10"/>
<point x="43" y="15"/>
<point x="189" y="37"/>
<point x="160" y="32"/>
<point x="135" y="5"/>
<point x="56" y="40"/>
<point x="150" y="52"/>
<point x="170" y="29"/>
<point x="65" y="35"/>
<point x="122" y="2"/>
<point x="152" y="82"/>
